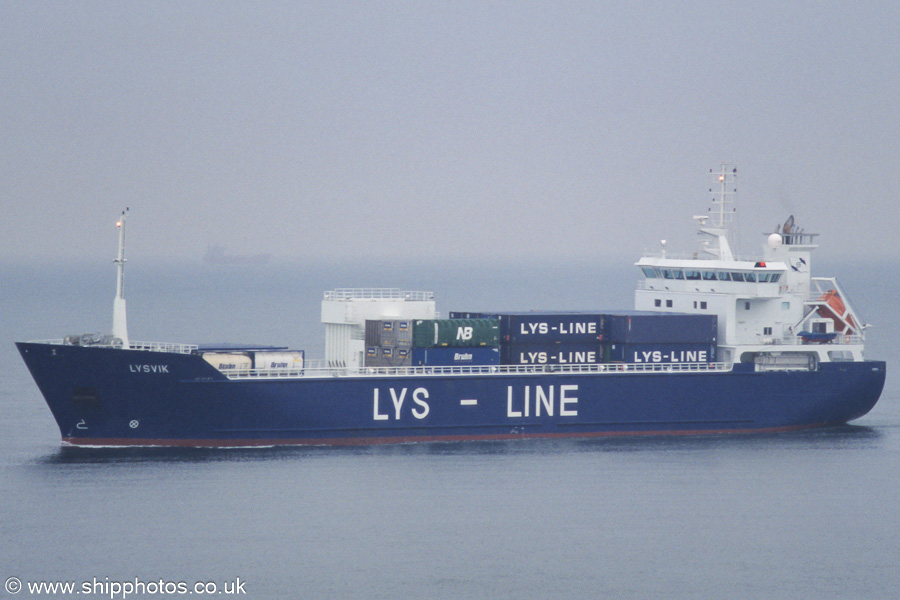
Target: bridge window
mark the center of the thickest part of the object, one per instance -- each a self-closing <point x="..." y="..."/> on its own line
<point x="673" y="274"/>
<point x="692" y="275"/>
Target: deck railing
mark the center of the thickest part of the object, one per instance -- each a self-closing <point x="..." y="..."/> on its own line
<point x="377" y="294"/>
<point x="140" y="346"/>
<point x="839" y="340"/>
<point x="326" y="372"/>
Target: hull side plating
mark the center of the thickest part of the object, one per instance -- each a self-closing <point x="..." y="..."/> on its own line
<point x="103" y="396"/>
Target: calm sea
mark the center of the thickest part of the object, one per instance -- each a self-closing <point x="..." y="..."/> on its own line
<point x="812" y="514"/>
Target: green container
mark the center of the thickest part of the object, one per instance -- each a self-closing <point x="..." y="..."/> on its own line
<point x="457" y="333"/>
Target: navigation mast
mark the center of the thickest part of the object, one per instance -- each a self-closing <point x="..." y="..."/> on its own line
<point x="120" y="327"/>
<point x="721" y="213"/>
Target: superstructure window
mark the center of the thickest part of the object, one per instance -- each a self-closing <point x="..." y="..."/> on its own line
<point x="673" y="274"/>
<point x="657" y="302"/>
<point x="702" y="305"/>
<point x="767" y="331"/>
<point x="668" y="304"/>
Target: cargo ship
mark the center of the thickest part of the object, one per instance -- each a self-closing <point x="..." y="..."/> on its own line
<point x="715" y="343"/>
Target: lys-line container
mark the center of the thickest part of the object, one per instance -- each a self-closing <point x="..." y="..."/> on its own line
<point x="551" y="354"/>
<point x="662" y="353"/>
<point x="549" y="327"/>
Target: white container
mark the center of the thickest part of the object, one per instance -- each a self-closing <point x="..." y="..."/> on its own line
<point x="278" y="361"/>
<point x="224" y="361"/>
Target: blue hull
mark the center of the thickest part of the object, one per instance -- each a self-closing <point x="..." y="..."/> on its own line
<point x="104" y="396"/>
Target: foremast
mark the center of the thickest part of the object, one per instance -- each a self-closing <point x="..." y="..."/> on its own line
<point x="120" y="325"/>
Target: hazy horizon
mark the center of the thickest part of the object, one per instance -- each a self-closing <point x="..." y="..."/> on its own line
<point x="399" y="131"/>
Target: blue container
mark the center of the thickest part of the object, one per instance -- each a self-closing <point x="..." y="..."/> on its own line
<point x="452" y="357"/>
<point x="544" y="327"/>
<point x="662" y="353"/>
<point x="563" y="328"/>
<point x="551" y="354"/>
<point x="661" y="328"/>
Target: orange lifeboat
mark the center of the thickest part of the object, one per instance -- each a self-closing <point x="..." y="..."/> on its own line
<point x="835" y="310"/>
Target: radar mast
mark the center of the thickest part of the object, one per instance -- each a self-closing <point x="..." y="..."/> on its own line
<point x="721" y="213"/>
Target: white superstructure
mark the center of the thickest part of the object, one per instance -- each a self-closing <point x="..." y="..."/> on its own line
<point x="346" y="310"/>
<point x="770" y="310"/>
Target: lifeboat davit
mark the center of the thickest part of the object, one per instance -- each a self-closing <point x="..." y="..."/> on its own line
<point x="834" y="309"/>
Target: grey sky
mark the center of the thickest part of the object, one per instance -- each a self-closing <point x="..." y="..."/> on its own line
<point x="441" y="129"/>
